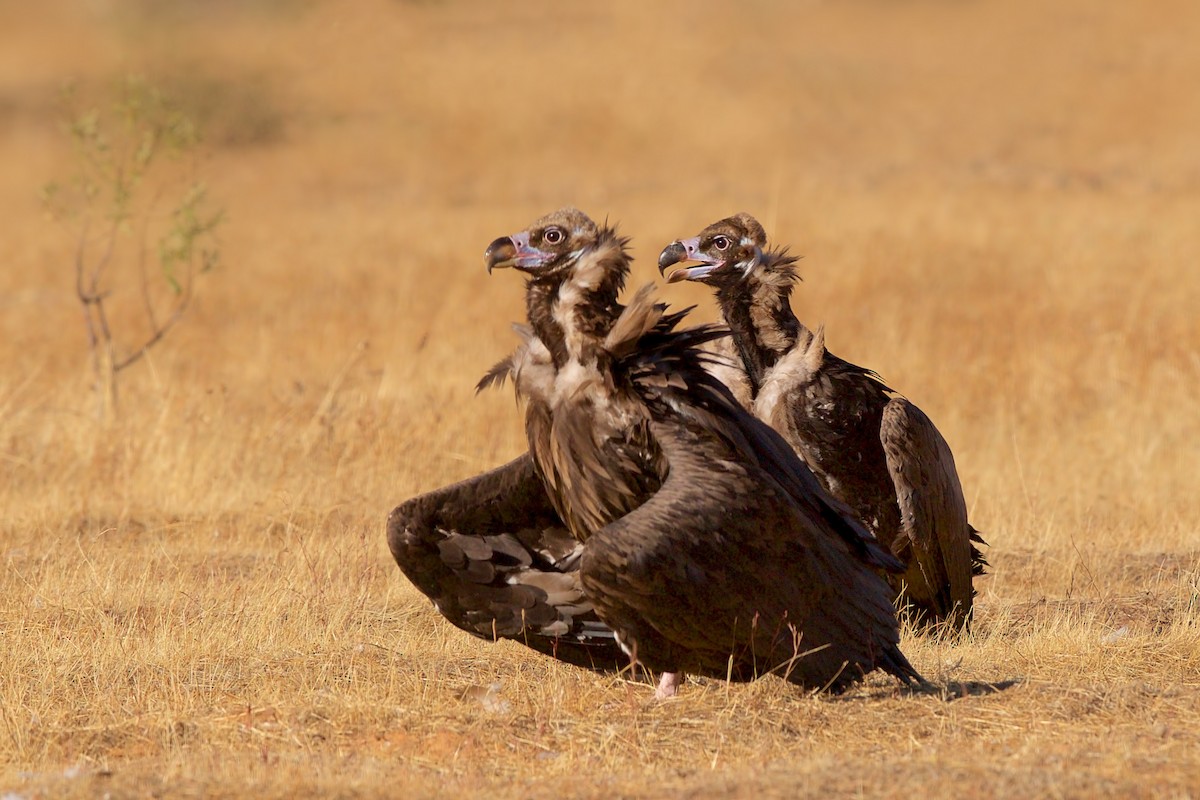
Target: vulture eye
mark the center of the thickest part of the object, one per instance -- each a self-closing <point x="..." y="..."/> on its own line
<point x="721" y="242"/>
<point x="553" y="236"/>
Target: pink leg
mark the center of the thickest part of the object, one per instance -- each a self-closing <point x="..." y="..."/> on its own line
<point x="668" y="685"/>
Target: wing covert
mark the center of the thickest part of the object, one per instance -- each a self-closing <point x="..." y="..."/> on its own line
<point x="494" y="557"/>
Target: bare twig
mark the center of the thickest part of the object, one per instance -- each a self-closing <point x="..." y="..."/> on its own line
<point x="146" y="301"/>
<point x="85" y="300"/>
<point x="155" y="337"/>
<point x="112" y="172"/>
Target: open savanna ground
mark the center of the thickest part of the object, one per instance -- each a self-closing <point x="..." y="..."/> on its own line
<point x="998" y="204"/>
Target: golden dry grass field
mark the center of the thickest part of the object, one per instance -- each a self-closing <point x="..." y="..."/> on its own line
<point x="999" y="208"/>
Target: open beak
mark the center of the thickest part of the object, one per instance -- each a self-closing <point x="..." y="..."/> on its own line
<point x="513" y="251"/>
<point x="682" y="251"/>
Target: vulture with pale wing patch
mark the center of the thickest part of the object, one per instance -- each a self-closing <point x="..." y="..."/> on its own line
<point x="496" y="560"/>
<point x="708" y="546"/>
<point x="875" y="451"/>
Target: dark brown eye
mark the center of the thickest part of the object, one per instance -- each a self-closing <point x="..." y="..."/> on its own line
<point x="721" y="242"/>
<point x="553" y="236"/>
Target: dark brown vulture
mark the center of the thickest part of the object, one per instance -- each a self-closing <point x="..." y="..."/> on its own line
<point x="874" y="450"/>
<point x="708" y="546"/>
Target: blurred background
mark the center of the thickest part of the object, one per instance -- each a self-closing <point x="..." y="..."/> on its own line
<point x="996" y="203"/>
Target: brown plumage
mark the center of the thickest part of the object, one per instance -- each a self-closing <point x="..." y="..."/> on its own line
<point x="707" y="544"/>
<point x="496" y="560"/>
<point x="874" y="450"/>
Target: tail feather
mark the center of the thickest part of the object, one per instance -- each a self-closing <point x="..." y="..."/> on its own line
<point x="894" y="663"/>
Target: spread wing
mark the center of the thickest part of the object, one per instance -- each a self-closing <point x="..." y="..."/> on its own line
<point x="721" y="573"/>
<point x="936" y="539"/>
<point x="493" y="556"/>
<point x="740" y="562"/>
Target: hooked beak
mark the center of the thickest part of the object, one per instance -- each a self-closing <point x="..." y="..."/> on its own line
<point x="686" y="250"/>
<point x="513" y="251"/>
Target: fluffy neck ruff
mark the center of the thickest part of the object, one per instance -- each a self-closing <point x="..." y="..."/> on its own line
<point x="758" y="310"/>
<point x="572" y="310"/>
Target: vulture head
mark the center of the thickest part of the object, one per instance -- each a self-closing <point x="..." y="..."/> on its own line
<point x="549" y="247"/>
<point x="723" y="253"/>
<point x="753" y="287"/>
<point x="575" y="272"/>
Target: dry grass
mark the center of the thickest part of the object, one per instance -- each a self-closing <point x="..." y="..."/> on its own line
<point x="997" y="203"/>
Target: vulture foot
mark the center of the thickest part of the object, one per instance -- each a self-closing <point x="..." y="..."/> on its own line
<point x="668" y="685"/>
